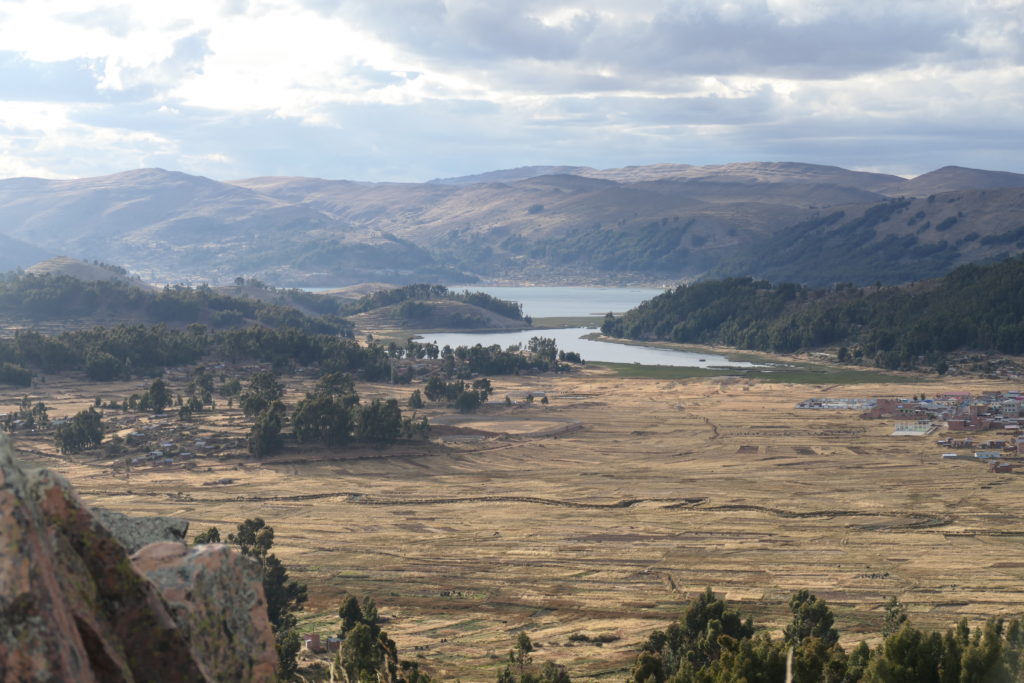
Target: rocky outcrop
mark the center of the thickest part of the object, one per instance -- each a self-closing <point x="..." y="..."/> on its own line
<point x="136" y="532"/>
<point x="214" y="592"/>
<point x="74" y="606"/>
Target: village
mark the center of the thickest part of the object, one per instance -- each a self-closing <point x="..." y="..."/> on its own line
<point x="957" y="412"/>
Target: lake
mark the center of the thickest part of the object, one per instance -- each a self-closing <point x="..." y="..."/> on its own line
<point x="570" y="339"/>
<point x="558" y="302"/>
<point x="575" y="302"/>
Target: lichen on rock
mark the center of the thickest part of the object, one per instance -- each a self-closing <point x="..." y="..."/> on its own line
<point x="74" y="606"/>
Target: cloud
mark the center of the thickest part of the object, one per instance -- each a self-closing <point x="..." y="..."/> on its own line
<point x="44" y="139"/>
<point x="412" y="89"/>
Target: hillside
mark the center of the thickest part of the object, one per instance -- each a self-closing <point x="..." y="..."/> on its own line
<point x="546" y="223"/>
<point x="434" y="315"/>
<point x="16" y="254"/>
<point x="70" y="302"/>
<point x="894" y="241"/>
<point x="951" y="178"/>
<point x="973" y="308"/>
<point x="171" y="226"/>
<point x="84" y="271"/>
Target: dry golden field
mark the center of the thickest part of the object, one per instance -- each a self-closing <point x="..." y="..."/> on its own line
<point x="600" y="513"/>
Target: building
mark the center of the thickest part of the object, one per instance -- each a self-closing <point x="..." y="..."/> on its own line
<point x="1001" y="468"/>
<point x="311" y="642"/>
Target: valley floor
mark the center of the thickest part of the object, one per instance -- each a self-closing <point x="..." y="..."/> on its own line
<point x="600" y="513"/>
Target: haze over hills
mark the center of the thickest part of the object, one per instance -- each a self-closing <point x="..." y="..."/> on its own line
<point x="545" y="223"/>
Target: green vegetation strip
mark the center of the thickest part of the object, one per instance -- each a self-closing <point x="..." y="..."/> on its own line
<point x="568" y="321"/>
<point x="804" y="373"/>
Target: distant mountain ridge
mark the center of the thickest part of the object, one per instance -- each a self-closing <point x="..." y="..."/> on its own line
<point x="541" y="223"/>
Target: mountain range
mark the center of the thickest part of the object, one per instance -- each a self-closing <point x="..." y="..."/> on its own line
<point x="556" y="224"/>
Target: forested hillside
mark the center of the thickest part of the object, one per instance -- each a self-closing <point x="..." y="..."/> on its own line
<point x="35" y="298"/>
<point x="974" y="307"/>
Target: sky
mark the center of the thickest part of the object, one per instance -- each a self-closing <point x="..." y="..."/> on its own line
<point x="409" y="90"/>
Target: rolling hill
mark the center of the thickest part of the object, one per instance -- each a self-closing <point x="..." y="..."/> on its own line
<point x="546" y="223"/>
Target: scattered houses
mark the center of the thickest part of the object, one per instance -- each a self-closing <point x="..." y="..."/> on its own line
<point x="960" y="411"/>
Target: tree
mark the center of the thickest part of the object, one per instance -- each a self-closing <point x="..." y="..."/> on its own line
<point x="369" y="608"/>
<point x="521" y="652"/>
<point x="554" y="673"/>
<point x="84" y="430"/>
<point x="254" y="539"/>
<point x="812" y="618"/>
<point x="895" y="616"/>
<point x="696" y="641"/>
<point x="287" y="643"/>
<point x="350" y="614"/>
<point x="338" y="385"/>
<point x="483" y="387"/>
<point x="379" y="421"/>
<point x="436" y="389"/>
<point x="544" y="347"/>
<point x="361" y="656"/>
<point x="265" y="435"/>
<point x="264" y="389"/>
<point x="468" y="401"/>
<point x="519" y="669"/>
<point x="322" y="418"/>
<point x="211" y="535"/>
<point x="101" y="366"/>
<point x="159" y="396"/>
<point x="416" y="400"/>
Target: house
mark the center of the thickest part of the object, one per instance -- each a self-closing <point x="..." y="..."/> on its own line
<point x="987" y="455"/>
<point x="333" y="643"/>
<point x="311" y="642"/>
<point x="1001" y="468"/>
<point x="1011" y="408"/>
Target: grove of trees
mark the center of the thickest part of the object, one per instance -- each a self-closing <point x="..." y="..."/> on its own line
<point x="712" y="643"/>
<point x="84" y="430"/>
<point x="975" y="307"/>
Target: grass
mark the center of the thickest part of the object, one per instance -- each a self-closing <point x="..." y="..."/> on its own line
<point x="736" y="489"/>
<point x="567" y="321"/>
<point x="804" y="373"/>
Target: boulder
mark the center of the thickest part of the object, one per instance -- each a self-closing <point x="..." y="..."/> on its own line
<point x="216" y="597"/>
<point x="73" y="606"/>
<point x="136" y="532"/>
